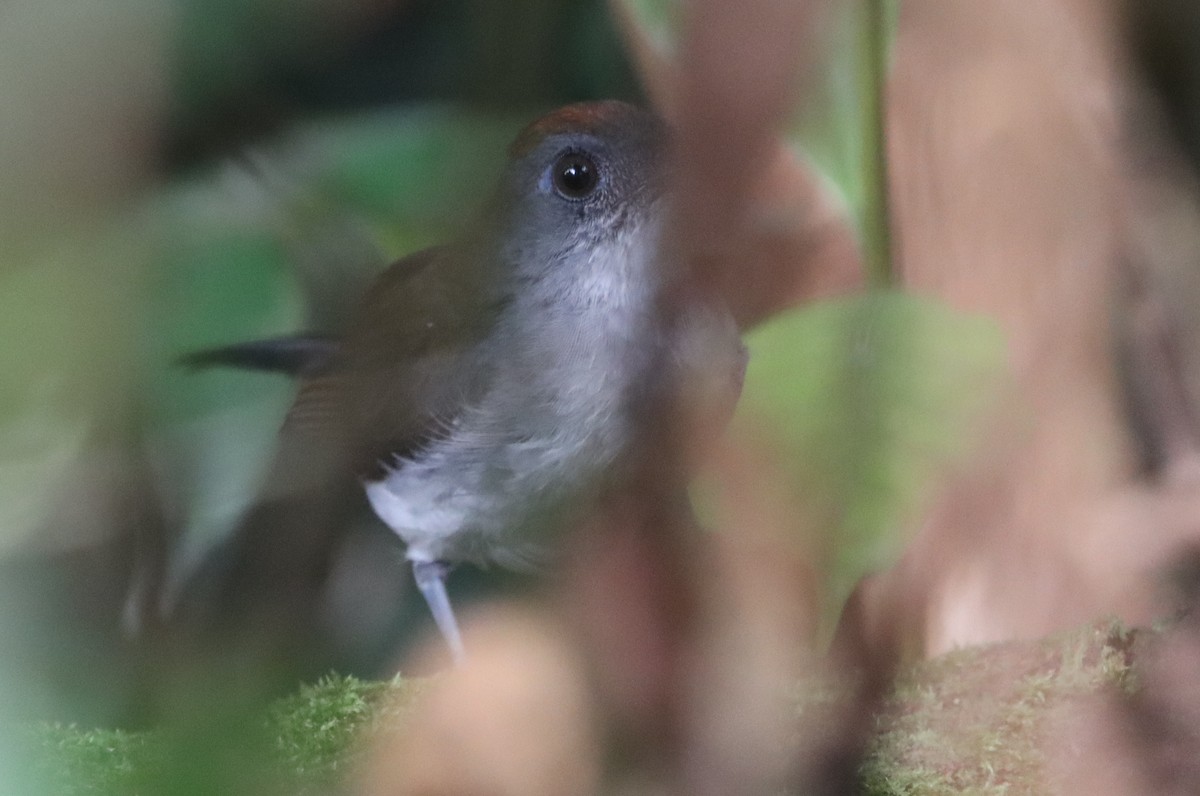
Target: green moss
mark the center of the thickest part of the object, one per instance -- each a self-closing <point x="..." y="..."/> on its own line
<point x="312" y="741"/>
<point x="76" y="762"/>
<point x="971" y="721"/>
<point x="316" y="730"/>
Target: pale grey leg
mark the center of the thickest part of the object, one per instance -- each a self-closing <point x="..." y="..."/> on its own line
<point x="431" y="580"/>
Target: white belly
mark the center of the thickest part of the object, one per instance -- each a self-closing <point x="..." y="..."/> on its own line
<point x="502" y="483"/>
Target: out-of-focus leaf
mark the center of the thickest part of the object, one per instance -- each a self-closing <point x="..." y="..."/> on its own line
<point x="868" y="399"/>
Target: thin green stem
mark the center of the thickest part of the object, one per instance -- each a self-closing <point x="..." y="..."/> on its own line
<point x="873" y="66"/>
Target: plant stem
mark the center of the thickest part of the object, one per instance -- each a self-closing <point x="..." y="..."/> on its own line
<point x="873" y="66"/>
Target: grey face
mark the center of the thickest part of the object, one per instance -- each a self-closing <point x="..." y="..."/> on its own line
<point x="578" y="181"/>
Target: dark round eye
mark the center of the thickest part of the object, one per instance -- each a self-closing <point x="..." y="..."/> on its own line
<point x="575" y="175"/>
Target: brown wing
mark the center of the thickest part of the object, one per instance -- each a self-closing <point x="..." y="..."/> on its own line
<point x="401" y="372"/>
<point x="397" y="378"/>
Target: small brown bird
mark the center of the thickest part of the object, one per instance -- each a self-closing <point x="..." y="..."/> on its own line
<point x="485" y="391"/>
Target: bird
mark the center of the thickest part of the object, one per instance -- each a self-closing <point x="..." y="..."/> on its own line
<point x="485" y="391"/>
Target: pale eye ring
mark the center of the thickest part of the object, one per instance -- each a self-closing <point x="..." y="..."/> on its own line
<point x="574" y="176"/>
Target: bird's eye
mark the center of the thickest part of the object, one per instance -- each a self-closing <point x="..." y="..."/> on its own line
<point x="574" y="176"/>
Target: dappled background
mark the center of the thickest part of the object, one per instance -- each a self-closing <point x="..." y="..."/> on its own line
<point x="973" y="383"/>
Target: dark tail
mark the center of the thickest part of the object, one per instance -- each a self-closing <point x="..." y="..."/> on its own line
<point x="296" y="355"/>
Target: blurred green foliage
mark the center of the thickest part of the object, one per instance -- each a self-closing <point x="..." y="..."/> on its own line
<point x="867" y="399"/>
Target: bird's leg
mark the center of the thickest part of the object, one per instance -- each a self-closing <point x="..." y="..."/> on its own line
<point x="431" y="580"/>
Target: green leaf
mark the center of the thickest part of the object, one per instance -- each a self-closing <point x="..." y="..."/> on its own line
<point x="867" y="399"/>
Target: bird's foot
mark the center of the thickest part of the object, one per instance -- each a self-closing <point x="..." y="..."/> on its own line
<point x="431" y="580"/>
